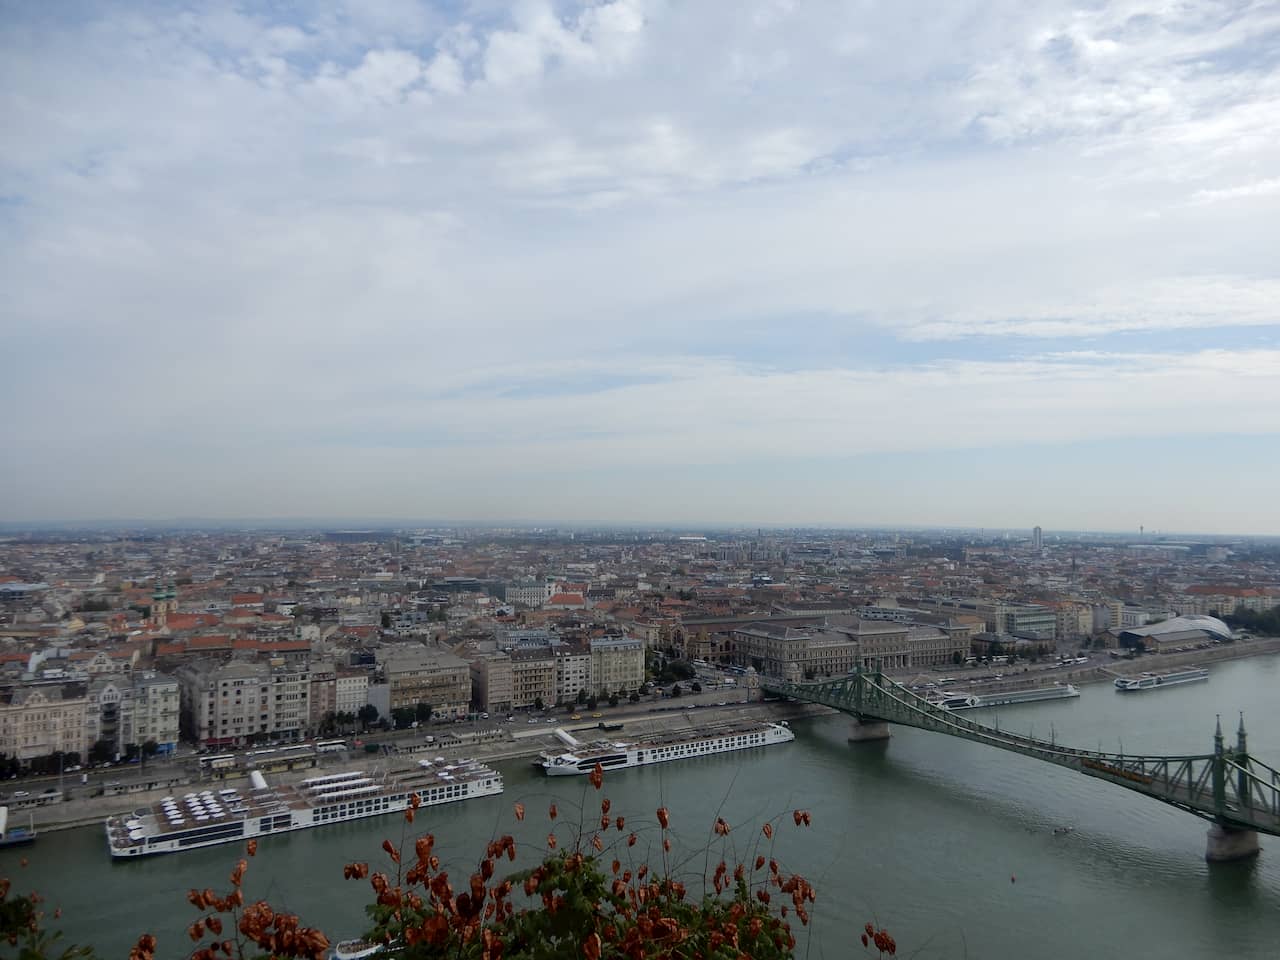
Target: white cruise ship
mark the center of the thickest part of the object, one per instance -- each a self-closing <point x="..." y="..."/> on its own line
<point x="1153" y="681"/>
<point x="228" y="815"/>
<point x="971" y="701"/>
<point x="582" y="758"/>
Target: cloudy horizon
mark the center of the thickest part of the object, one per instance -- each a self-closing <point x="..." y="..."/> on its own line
<point x="996" y="264"/>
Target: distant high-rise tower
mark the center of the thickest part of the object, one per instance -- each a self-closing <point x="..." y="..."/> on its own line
<point x="1037" y="538"/>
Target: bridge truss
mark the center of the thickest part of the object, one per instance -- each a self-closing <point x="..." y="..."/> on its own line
<point x="1228" y="787"/>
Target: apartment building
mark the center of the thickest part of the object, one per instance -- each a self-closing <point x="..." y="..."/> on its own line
<point x="573" y="671"/>
<point x="36" y="721"/>
<point x="529" y="593"/>
<point x="323" y="697"/>
<point x="617" y="665"/>
<point x="124" y="710"/>
<point x="492" y="682"/>
<point x="351" y="691"/>
<point x="1074" y="620"/>
<point x="239" y="702"/>
<point x="1028" y="620"/>
<point x="533" y="677"/>
<point x="434" y="677"/>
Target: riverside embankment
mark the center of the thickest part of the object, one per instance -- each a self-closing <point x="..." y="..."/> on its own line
<point x="1098" y="670"/>
<point x="513" y="742"/>
<point x="922" y="833"/>
<point x="507" y="742"/>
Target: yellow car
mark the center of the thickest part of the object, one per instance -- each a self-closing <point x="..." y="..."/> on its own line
<point x="596" y="715"/>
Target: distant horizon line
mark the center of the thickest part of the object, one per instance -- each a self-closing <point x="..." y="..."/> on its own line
<point x="382" y="524"/>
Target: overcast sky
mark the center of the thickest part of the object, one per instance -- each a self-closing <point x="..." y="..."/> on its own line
<point x="1000" y="263"/>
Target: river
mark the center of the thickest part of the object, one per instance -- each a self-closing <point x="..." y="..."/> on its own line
<point x="950" y="845"/>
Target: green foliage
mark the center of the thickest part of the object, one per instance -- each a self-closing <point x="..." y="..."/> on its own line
<point x="50" y="763"/>
<point x="1266" y="623"/>
<point x="682" y="669"/>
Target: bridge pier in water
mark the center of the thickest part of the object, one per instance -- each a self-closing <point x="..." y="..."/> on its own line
<point x="866" y="731"/>
<point x="1230" y="843"/>
<point x="1237" y="793"/>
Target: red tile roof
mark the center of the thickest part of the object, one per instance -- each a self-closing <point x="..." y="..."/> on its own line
<point x="190" y="621"/>
<point x="566" y="599"/>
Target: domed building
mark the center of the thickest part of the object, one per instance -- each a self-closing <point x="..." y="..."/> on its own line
<point x="1190" y="630"/>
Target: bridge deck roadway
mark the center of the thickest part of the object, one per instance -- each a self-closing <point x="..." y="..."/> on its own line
<point x="1185" y="782"/>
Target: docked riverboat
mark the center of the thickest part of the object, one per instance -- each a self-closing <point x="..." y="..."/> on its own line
<point x="224" y="816"/>
<point x="973" y="701"/>
<point x="619" y="755"/>
<point x="1154" y="681"/>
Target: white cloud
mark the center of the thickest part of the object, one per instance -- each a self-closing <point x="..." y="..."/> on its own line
<point x="1259" y="188"/>
<point x="375" y="222"/>
<point x="385" y="75"/>
<point x="444" y="74"/>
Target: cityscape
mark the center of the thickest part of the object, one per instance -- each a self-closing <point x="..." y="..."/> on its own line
<point x="635" y="480"/>
<point x="115" y="644"/>
<point x="182" y="667"/>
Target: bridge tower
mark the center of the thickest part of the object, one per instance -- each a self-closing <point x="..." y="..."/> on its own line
<point x="864" y="729"/>
<point x="1225" y="841"/>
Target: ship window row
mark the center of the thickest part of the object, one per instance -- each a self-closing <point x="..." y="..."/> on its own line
<point x="443" y="793"/>
<point x="204" y="834"/>
<point x="354" y="808"/>
<point x="741" y="740"/>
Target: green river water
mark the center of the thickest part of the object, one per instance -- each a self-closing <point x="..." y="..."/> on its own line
<point x="950" y="845"/>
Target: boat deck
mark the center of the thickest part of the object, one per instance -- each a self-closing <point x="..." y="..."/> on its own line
<point x="671" y="738"/>
<point x="209" y="807"/>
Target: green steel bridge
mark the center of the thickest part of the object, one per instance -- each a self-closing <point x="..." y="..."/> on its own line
<point x="1237" y="793"/>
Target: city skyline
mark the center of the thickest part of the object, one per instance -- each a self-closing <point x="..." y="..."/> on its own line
<point x="1002" y="266"/>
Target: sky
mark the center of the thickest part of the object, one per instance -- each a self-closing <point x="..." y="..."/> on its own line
<point x="1001" y="263"/>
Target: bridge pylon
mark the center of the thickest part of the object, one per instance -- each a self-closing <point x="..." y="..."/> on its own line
<point x="862" y="728"/>
<point x="1237" y="794"/>
<point x="868" y="731"/>
<point x="1225" y="841"/>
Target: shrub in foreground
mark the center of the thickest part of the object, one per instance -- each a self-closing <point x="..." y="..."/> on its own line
<point x="593" y="896"/>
